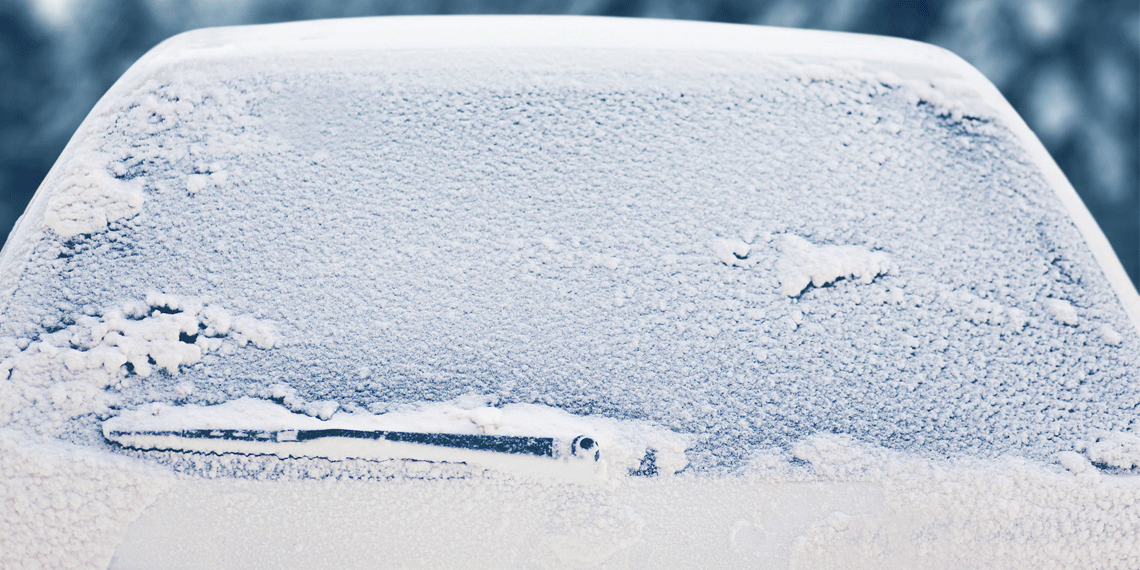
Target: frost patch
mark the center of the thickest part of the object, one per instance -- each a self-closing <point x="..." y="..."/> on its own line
<point x="88" y="199"/>
<point x="606" y="527"/>
<point x="801" y="264"/>
<point x="1115" y="449"/>
<point x="1062" y="311"/>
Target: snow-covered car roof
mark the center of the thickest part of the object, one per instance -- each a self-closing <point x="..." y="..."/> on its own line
<point x="731" y="251"/>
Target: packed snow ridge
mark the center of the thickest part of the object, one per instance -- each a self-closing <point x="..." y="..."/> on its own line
<point x="802" y="263"/>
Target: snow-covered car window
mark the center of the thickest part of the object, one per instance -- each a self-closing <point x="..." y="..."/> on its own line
<point x="750" y="252"/>
<point x="711" y="256"/>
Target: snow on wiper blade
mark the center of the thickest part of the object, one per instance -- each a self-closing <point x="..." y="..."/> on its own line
<point x="519" y="438"/>
<point x="581" y="446"/>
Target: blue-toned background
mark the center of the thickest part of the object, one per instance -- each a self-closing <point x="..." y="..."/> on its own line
<point x="1070" y="67"/>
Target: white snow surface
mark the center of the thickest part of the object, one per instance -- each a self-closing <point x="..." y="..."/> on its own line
<point x="840" y="505"/>
<point x="614" y="233"/>
<point x="66" y="506"/>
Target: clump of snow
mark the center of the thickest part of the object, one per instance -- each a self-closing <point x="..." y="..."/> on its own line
<point x="287" y="395"/>
<point x="1074" y="462"/>
<point x="731" y="252"/>
<point x="212" y="176"/>
<point x="607" y="261"/>
<point x="140" y="335"/>
<point x="830" y="454"/>
<point x="323" y="409"/>
<point x="165" y="331"/>
<point x="802" y="263"/>
<point x="63" y="506"/>
<point x="246" y="329"/>
<point x="1062" y="311"/>
<point x="1110" y="336"/>
<point x="89" y="198"/>
<point x="1115" y="449"/>
<point x="951" y="98"/>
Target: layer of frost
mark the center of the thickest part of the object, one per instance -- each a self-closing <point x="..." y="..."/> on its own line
<point x="450" y="256"/>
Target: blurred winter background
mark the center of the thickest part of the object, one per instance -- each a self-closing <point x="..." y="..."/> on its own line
<point x="1069" y="67"/>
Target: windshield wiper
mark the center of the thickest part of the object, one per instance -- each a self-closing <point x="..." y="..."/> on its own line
<point x="581" y="446"/>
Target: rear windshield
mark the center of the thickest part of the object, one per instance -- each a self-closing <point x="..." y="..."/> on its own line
<point x="746" y="250"/>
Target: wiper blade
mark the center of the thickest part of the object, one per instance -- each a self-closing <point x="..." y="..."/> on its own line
<point x="581" y="447"/>
<point x="536" y="446"/>
<point x="524" y="439"/>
